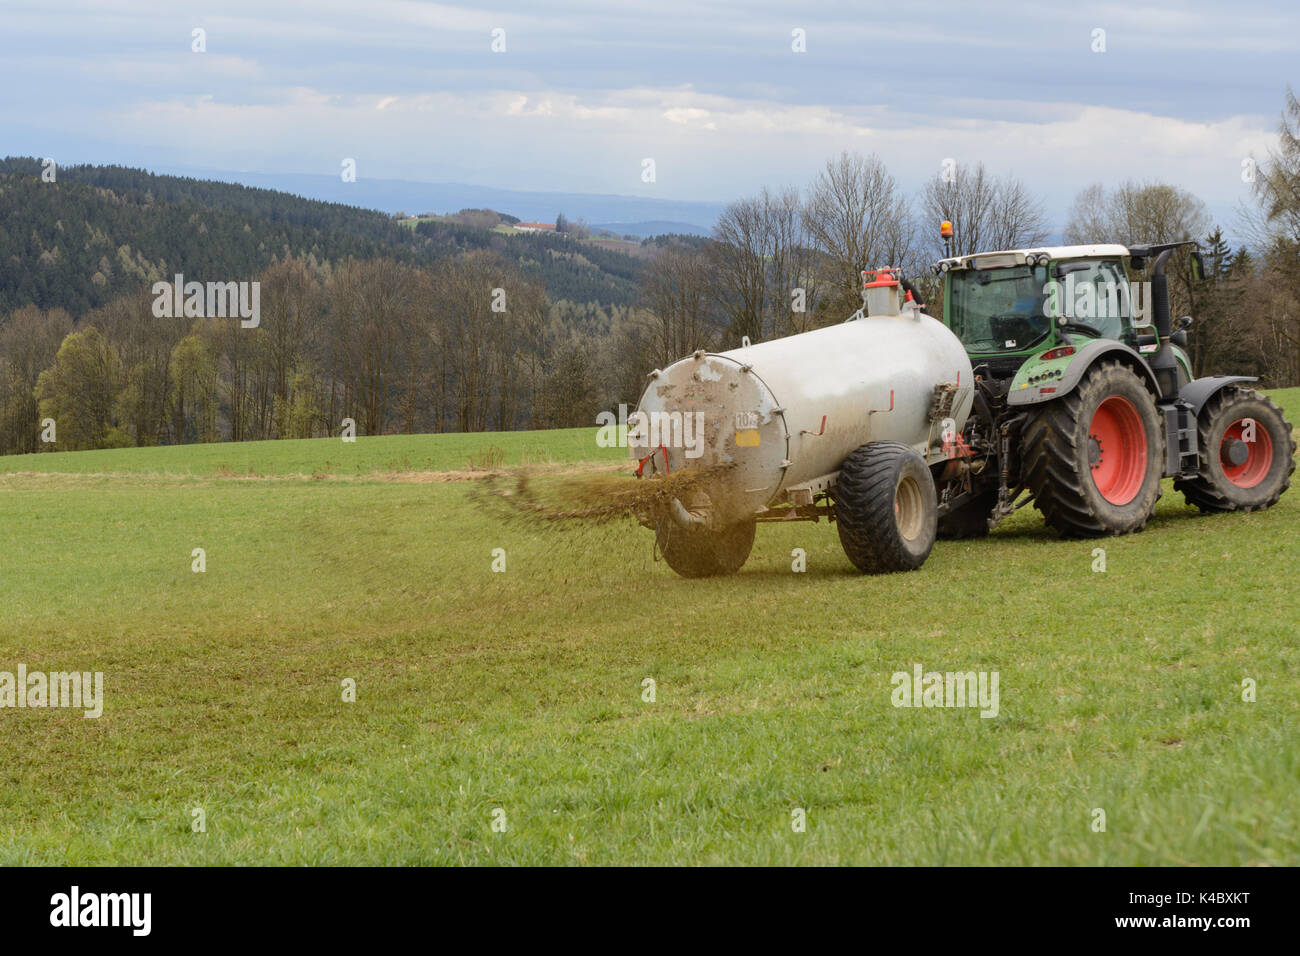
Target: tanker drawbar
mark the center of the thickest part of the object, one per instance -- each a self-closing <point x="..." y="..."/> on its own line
<point x="845" y="422"/>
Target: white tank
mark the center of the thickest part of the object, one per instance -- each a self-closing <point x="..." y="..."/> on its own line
<point x="786" y="413"/>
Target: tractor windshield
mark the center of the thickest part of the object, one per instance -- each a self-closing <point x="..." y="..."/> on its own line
<point x="999" y="310"/>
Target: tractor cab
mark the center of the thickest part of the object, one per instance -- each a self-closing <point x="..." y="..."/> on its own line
<point x="1009" y="307"/>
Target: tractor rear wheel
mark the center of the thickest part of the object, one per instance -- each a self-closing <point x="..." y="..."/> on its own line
<point x="885" y="508"/>
<point x="1093" y="458"/>
<point x="705" y="552"/>
<point x="1247" y="454"/>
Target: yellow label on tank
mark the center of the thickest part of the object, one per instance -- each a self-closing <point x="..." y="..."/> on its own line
<point x="747" y="438"/>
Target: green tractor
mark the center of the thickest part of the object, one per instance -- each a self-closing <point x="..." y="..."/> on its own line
<point x="1086" y="407"/>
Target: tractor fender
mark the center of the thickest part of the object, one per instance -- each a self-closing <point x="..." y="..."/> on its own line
<point x="1197" y="393"/>
<point x="1024" y="393"/>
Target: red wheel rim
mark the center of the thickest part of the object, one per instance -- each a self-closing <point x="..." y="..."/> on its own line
<point x="1259" y="453"/>
<point x="1117" y="450"/>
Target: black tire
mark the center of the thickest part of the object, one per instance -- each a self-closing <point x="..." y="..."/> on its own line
<point x="1063" y="458"/>
<point x="885" y="508"/>
<point x="1214" y="488"/>
<point x="971" y="520"/>
<point x="705" y="552"/>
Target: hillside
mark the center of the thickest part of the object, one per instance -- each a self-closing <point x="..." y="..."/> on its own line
<point x="99" y="232"/>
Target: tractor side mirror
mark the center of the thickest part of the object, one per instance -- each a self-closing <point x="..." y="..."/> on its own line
<point x="1198" y="268"/>
<point x="1182" y="322"/>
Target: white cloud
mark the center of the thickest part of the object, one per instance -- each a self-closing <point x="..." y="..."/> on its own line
<point x="710" y="90"/>
<point x="707" y="146"/>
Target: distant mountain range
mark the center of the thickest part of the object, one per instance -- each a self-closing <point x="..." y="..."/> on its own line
<point x="624" y="215"/>
<point x="656" y="227"/>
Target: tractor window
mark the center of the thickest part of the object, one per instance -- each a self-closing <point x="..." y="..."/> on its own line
<point x="999" y="310"/>
<point x="1094" y="295"/>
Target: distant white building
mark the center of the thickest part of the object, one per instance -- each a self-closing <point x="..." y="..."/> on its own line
<point x="535" y="226"/>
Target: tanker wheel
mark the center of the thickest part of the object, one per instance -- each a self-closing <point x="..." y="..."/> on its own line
<point x="1094" y="458"/>
<point x="885" y="508"/>
<point x="971" y="520"/>
<point x="1247" y="454"/>
<point x="705" y="552"/>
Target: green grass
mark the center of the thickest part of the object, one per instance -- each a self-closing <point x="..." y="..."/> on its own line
<point x="522" y="690"/>
<point x="327" y="456"/>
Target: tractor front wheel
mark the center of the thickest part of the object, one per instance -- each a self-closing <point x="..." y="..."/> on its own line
<point x="1093" y="458"/>
<point x="1247" y="454"/>
<point x="885" y="508"/>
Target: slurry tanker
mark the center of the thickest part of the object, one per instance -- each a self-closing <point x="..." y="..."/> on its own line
<point x="900" y="428"/>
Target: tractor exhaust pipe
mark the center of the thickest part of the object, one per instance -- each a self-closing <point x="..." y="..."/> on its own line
<point x="1163" y="363"/>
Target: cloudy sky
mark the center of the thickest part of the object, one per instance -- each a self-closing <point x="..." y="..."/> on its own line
<point x="713" y="92"/>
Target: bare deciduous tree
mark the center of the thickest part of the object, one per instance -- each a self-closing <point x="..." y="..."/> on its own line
<point x="762" y="264"/>
<point x="29" y="342"/>
<point x="738" y="258"/>
<point x="1275" y="228"/>
<point x="1135" y="213"/>
<point x="679" y="294"/>
<point x="1278" y="182"/>
<point x="856" y="219"/>
<point x="371" y="305"/>
<point x="987" y="212"/>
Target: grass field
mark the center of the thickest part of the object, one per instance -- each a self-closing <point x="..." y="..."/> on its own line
<point x="522" y="691"/>
<point x="327" y="457"/>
